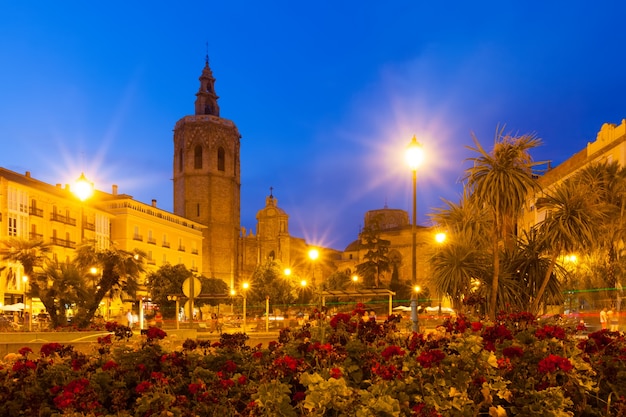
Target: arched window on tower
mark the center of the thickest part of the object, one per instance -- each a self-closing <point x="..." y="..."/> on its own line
<point x="197" y="157"/>
<point x="221" y="159"/>
<point x="180" y="160"/>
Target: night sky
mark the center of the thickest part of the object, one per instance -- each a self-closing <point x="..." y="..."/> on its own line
<point x="326" y="94"/>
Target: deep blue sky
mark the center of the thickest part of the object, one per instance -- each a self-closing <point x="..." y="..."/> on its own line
<point x="326" y="94"/>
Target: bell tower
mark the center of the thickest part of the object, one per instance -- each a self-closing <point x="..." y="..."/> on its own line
<point x="207" y="179"/>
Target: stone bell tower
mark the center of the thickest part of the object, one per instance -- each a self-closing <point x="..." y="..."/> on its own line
<point x="207" y="179"/>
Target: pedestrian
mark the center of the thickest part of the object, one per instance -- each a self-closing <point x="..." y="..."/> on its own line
<point x="158" y="318"/>
<point x="603" y="319"/>
<point x="129" y="318"/>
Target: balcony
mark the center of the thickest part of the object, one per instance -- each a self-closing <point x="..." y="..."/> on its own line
<point x="151" y="262"/>
<point x="34" y="211"/>
<point x="166" y="245"/>
<point x="181" y="248"/>
<point x="138" y="237"/>
<point x="151" y="241"/>
<point x="89" y="226"/>
<point x="35" y="236"/>
<point x="55" y="217"/>
<point x="194" y="251"/>
<point x="63" y="243"/>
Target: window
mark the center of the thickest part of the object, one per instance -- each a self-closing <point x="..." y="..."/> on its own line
<point x="198" y="209"/>
<point x="180" y="160"/>
<point x="12" y="226"/>
<point x="221" y="159"/>
<point x="197" y="157"/>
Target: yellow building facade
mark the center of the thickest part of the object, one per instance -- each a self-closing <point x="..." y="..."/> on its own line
<point x="34" y="210"/>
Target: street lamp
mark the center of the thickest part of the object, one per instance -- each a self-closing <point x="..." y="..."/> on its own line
<point x="355" y="280"/>
<point x="313" y="255"/>
<point x="30" y="304"/>
<point x="245" y="287"/>
<point x="83" y="189"/>
<point x="414" y="155"/>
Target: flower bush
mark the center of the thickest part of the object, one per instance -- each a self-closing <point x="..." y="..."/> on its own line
<point x="347" y="366"/>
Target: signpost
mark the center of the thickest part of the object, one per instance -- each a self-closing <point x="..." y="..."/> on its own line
<point x="191" y="288"/>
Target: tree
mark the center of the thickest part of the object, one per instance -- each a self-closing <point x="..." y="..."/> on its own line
<point x="501" y="181"/>
<point x="29" y="253"/>
<point x="167" y="281"/>
<point x="268" y="281"/>
<point x="120" y="273"/>
<point x="376" y="258"/>
<point x="571" y="212"/>
<point x="60" y="285"/>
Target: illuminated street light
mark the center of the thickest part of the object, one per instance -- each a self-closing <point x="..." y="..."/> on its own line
<point x="440" y="237"/>
<point x="83" y="188"/>
<point x="313" y="255"/>
<point x="414" y="156"/>
<point x="355" y="280"/>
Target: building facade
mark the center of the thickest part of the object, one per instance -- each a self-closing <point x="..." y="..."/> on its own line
<point x="34" y="210"/>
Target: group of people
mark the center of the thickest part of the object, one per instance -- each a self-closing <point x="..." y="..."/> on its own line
<point x="609" y="319"/>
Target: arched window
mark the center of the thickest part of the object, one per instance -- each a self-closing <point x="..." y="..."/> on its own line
<point x="180" y="160"/>
<point x="221" y="159"/>
<point x="197" y="157"/>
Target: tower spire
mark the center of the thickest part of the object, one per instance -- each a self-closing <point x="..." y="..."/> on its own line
<point x="206" y="99"/>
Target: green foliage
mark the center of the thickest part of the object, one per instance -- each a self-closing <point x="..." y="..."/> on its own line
<point x="268" y="280"/>
<point x="376" y="258"/>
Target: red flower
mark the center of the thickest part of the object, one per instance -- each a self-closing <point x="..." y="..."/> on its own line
<point x="143" y="386"/>
<point x="242" y="380"/>
<point x="25" y="351"/>
<point x="391" y="351"/>
<point x="298" y="396"/>
<point x="476" y="326"/>
<point x="548" y="332"/>
<point x="229" y="366"/>
<point x="430" y="357"/>
<point x="338" y="319"/>
<point x="154" y="333"/>
<point x="513" y="352"/>
<point x="50" y="348"/>
<point x="553" y="363"/>
<point x="109" y="365"/>
<point x="336" y="373"/>
<point x="387" y="372"/>
<point x="106" y="340"/>
<point x="227" y="383"/>
<point x="195" y="388"/>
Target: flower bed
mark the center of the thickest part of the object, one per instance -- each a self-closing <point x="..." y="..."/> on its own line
<point x="345" y="367"/>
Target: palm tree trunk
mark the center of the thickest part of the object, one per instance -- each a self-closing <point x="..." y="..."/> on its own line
<point x="496" y="270"/>
<point x="544" y="284"/>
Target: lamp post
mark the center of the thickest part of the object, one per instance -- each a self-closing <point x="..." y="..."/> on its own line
<point x="245" y="287"/>
<point x="313" y="255"/>
<point x="414" y="156"/>
<point x="30" y="304"/>
<point x="83" y="189"/>
<point x="355" y="280"/>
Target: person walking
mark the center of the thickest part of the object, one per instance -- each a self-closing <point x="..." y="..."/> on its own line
<point x="158" y="318"/>
<point x="603" y="319"/>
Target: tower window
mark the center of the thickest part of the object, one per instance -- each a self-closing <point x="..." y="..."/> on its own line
<point x="180" y="160"/>
<point x="197" y="157"/>
<point x="221" y="159"/>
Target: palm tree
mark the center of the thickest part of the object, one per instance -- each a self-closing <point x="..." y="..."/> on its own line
<point x="462" y="261"/>
<point x="29" y="253"/>
<point x="607" y="181"/>
<point x="61" y="285"/>
<point x="120" y="273"/>
<point x="571" y="212"/>
<point x="501" y="181"/>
